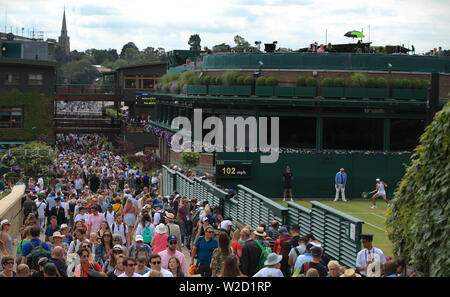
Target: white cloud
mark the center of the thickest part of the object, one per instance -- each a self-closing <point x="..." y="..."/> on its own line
<point x="293" y="23"/>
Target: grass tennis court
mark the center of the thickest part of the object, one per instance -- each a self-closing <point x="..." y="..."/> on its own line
<point x="374" y="219"/>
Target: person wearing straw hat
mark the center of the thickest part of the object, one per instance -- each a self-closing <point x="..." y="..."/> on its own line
<point x="368" y="255"/>
<point x="173" y="228"/>
<point x="273" y="266"/>
<point x="251" y="252"/>
<point x="350" y="273"/>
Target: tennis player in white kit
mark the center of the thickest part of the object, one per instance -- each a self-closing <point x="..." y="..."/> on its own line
<point x="381" y="191"/>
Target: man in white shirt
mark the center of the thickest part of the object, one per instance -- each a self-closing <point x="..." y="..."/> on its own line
<point x="129" y="265"/>
<point x="155" y="264"/>
<point x="368" y="255"/>
<point x="81" y="215"/>
<point x="41" y="205"/>
<point x="273" y="266"/>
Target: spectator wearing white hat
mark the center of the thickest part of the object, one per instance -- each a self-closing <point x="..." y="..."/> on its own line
<point x="273" y="266"/>
<point x="5" y="237"/>
<point x="139" y="245"/>
<point x="159" y="241"/>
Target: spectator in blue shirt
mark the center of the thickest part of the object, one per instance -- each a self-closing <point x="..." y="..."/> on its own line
<point x="203" y="248"/>
<point x="306" y="257"/>
<point x="340" y="180"/>
<point x="35" y="232"/>
<point x="53" y="227"/>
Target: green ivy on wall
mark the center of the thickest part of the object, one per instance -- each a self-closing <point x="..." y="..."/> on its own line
<point x="418" y="221"/>
<point x="37" y="112"/>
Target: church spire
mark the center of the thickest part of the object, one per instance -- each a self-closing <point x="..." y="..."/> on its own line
<point x="64" y="28"/>
<point x="64" y="40"/>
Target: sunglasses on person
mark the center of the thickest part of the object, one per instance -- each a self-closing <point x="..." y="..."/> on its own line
<point x="156" y="262"/>
<point x="106" y="234"/>
<point x="86" y="246"/>
<point x="9" y="263"/>
<point x="172" y="242"/>
<point x="209" y="231"/>
<point x="131" y="265"/>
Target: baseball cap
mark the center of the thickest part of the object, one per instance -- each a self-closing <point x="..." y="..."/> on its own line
<point x="316" y="250"/>
<point x="204" y="219"/>
<point x="283" y="230"/>
<point x="139" y="238"/>
<point x="171" y="238"/>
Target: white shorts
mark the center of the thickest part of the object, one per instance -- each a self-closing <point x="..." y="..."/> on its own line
<point x="381" y="193"/>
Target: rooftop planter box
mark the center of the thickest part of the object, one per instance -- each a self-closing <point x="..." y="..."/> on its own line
<point x="420" y="94"/>
<point x="265" y="87"/>
<point x="305" y="87"/>
<point x="227" y="90"/>
<point x="332" y="92"/>
<point x="305" y="91"/>
<point x="215" y="90"/>
<point x="377" y="93"/>
<point x="402" y="93"/>
<point x="284" y="91"/>
<point x="197" y="90"/>
<point x="355" y="92"/>
<point x="243" y="90"/>
<point x="410" y="89"/>
<point x="333" y="88"/>
<point x="264" y="91"/>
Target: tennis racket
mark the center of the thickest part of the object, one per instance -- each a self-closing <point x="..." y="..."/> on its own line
<point x="364" y="195"/>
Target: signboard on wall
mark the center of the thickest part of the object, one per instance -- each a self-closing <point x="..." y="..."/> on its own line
<point x="233" y="169"/>
<point x="146" y="99"/>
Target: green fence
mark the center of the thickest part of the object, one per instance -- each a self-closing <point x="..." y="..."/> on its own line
<point x="335" y="61"/>
<point x="338" y="232"/>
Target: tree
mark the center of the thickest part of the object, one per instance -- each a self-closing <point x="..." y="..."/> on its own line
<point x="124" y="48"/>
<point x="132" y="56"/>
<point x="190" y="159"/>
<point x="78" y="72"/>
<point x="418" y="222"/>
<point x="243" y="45"/>
<point x="37" y="161"/>
<point x="220" y="48"/>
<point x="194" y="42"/>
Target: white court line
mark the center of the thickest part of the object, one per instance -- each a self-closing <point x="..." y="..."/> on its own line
<point x="382" y="217"/>
<point x="367" y="222"/>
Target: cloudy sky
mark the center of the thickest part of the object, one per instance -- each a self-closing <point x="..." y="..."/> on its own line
<point x="293" y="23"/>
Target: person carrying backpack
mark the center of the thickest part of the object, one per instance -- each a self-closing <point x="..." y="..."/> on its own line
<point x="252" y="251"/>
<point x="35" y="249"/>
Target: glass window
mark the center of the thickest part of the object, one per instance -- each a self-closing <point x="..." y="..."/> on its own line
<point x="12" y="79"/>
<point x="130" y="83"/>
<point x="35" y="79"/>
<point x="148" y="83"/>
<point x="11" y="117"/>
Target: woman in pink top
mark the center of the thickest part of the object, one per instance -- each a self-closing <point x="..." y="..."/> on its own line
<point x="159" y="241"/>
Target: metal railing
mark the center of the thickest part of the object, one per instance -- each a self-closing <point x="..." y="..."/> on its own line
<point x="338" y="232"/>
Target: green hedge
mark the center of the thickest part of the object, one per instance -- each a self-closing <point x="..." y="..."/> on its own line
<point x="37" y="112"/>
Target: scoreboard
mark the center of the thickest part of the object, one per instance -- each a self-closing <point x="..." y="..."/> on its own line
<point x="145" y="99"/>
<point x="233" y="169"/>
